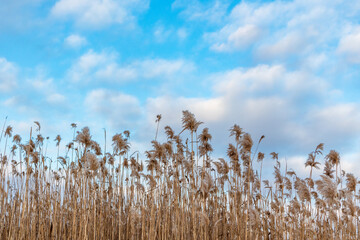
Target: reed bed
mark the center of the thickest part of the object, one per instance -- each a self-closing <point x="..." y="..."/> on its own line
<point x="178" y="191"/>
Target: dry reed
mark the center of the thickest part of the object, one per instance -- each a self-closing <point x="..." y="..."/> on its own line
<point x="178" y="192"/>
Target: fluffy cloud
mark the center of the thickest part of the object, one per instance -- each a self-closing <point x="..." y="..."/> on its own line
<point x="282" y="30"/>
<point x="242" y="81"/>
<point x="119" y="109"/>
<point x="338" y="124"/>
<point x="105" y="67"/>
<point x="242" y="37"/>
<point x="91" y="63"/>
<point x="98" y="13"/>
<point x="349" y="46"/>
<point x="288" y="89"/>
<point x="286" y="46"/>
<point x="349" y="162"/>
<point x="47" y="89"/>
<point x="245" y="24"/>
<point x="36" y="95"/>
<point x="75" y="41"/>
<point x="209" y="110"/>
<point x="8" y="75"/>
<point x="269" y="100"/>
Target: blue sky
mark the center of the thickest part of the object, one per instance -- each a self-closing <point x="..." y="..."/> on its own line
<point x="287" y="69"/>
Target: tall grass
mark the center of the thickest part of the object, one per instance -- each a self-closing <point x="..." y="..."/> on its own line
<point x="178" y="192"/>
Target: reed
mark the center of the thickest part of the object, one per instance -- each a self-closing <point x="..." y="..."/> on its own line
<point x="178" y="191"/>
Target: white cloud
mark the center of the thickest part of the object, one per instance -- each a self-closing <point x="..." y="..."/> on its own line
<point x="46" y="88"/>
<point x="242" y="37"/>
<point x="241" y="81"/>
<point x="113" y="72"/>
<point x="212" y="111"/>
<point x="105" y="67"/>
<point x="349" y="46"/>
<point x="297" y="163"/>
<point x="8" y="75"/>
<point x="35" y="95"/>
<point x="163" y="33"/>
<point x="349" y="162"/>
<point x="337" y="124"/>
<point x="268" y="115"/>
<point x="118" y="109"/>
<point x="267" y="100"/>
<point x="245" y="24"/>
<point x="260" y="14"/>
<point x="315" y="61"/>
<point x="207" y="109"/>
<point x="56" y="98"/>
<point x="75" y="41"/>
<point x="302" y="82"/>
<point x="289" y="30"/>
<point x="90" y="63"/>
<point x="152" y="68"/>
<point x="294" y="107"/>
<point x="292" y="43"/>
<point x="21" y="104"/>
<point x="42" y="85"/>
<point x="99" y="13"/>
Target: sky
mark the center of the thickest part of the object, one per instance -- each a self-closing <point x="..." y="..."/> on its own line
<point x="289" y="70"/>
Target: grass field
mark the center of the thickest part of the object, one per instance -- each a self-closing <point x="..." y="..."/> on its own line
<point x="177" y="192"/>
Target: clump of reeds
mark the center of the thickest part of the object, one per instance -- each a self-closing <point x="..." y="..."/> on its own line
<point x="177" y="192"/>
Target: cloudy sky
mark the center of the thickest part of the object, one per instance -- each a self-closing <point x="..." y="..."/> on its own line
<point x="287" y="69"/>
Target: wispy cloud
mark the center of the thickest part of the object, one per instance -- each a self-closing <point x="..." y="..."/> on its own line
<point x="36" y="94"/>
<point x="182" y="33"/>
<point x="195" y="10"/>
<point x="97" y="13"/>
<point x="105" y="67"/>
<point x="75" y="41"/>
<point x="275" y="31"/>
<point x="8" y="75"/>
<point x="161" y="34"/>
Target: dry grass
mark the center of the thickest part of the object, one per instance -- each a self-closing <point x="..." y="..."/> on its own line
<point x="178" y="192"/>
